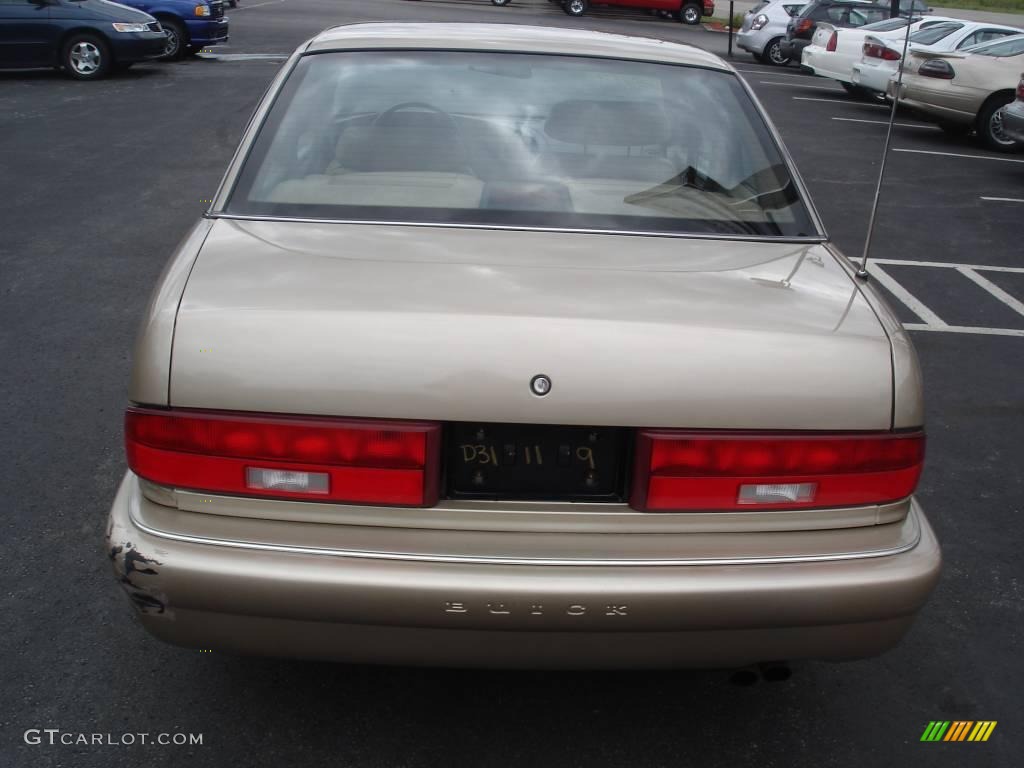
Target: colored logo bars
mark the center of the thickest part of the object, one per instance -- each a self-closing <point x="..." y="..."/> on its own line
<point x="958" y="730"/>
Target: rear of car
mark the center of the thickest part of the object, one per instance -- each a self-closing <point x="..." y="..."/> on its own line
<point x="801" y="29"/>
<point x="490" y="356"/>
<point x="834" y="52"/>
<point x="967" y="90"/>
<point x="881" y="57"/>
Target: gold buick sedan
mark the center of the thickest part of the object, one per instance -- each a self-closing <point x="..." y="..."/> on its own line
<point x="519" y="347"/>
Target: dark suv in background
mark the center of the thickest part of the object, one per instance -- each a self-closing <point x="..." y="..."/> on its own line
<point x="835" y="12"/>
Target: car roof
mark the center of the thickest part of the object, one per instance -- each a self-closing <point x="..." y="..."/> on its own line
<point x="517" y="38"/>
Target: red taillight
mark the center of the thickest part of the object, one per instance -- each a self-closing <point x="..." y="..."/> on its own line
<point x="727" y="471"/>
<point x="833" y="42"/>
<point x="360" y="461"/>
<point x="937" y="68"/>
<point x="803" y="25"/>
<point x="1020" y="89"/>
<point x="875" y="51"/>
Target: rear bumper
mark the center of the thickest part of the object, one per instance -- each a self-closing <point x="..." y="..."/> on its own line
<point x="388" y="608"/>
<point x="873" y="78"/>
<point x="818" y="61"/>
<point x="794" y="48"/>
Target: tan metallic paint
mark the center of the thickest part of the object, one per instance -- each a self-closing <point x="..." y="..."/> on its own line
<point x="719" y="613"/>
<point x="450" y="323"/>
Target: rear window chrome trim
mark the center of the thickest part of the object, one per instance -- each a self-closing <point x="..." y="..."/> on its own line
<point x="513" y="228"/>
<point x="912" y="514"/>
<point x="258" y="119"/>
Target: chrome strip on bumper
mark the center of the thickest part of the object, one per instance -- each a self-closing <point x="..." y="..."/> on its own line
<point x="418" y="557"/>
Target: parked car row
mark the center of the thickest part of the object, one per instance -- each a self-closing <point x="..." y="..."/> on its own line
<point x="967" y="90"/>
<point x="961" y="74"/>
<point x="88" y="39"/>
<point x="686" y="11"/>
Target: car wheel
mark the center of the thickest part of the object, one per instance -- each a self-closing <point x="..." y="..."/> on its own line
<point x="177" y="40"/>
<point x="576" y="7"/>
<point x="773" y="53"/>
<point x="990" y="125"/>
<point x="86" y="57"/>
<point x="691" y="14"/>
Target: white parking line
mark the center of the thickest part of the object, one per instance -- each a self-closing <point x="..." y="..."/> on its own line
<point x="246" y="56"/>
<point x="947" y="264"/>
<point x="965" y="329"/>
<point x="932" y="320"/>
<point x="886" y="122"/>
<point x="1004" y="199"/>
<point x="769" y="73"/>
<point x="995" y="290"/>
<point x="841" y="101"/>
<point x="796" y="85"/>
<point x="957" y="154"/>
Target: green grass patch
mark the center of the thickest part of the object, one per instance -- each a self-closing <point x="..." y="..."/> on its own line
<point x="997" y="6"/>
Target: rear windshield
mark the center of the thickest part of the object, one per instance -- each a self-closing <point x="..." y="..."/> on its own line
<point x="886" y="25"/>
<point x="1012" y="47"/>
<point x="934" y="33"/>
<point x="519" y="140"/>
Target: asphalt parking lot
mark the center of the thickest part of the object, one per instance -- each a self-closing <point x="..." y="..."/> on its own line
<point x="100" y="180"/>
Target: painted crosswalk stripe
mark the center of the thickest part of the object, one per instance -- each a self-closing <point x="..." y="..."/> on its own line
<point x="912" y="303"/>
<point x="1010" y="301"/>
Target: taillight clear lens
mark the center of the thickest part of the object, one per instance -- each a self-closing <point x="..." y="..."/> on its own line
<point x="360" y="461"/>
<point x="759" y="22"/>
<point x="722" y="471"/>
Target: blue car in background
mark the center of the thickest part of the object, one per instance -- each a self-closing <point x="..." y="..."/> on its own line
<point x="191" y="25"/>
<point x="85" y="38"/>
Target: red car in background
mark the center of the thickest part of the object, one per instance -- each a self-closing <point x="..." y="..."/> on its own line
<point x="687" y="11"/>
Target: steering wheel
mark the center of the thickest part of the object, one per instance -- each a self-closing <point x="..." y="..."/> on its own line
<point x="383" y="117"/>
<point x="420" y="105"/>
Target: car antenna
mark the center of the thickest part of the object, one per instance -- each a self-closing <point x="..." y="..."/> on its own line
<point x="862" y="270"/>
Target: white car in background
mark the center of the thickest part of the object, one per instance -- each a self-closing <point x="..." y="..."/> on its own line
<point x="881" y="56"/>
<point x="764" y="28"/>
<point x="834" y="51"/>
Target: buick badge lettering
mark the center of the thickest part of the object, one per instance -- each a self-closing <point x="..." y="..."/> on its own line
<point x="538" y="609"/>
<point x="540" y="385"/>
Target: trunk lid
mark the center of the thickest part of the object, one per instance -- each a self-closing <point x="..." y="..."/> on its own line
<point x="452" y="324"/>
